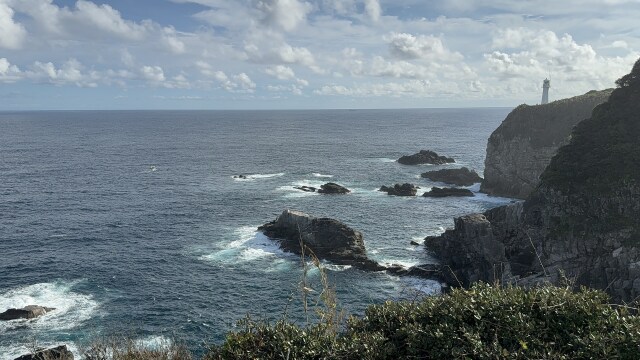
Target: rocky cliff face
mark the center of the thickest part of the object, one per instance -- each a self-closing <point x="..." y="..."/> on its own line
<point x="523" y="145"/>
<point x="581" y="222"/>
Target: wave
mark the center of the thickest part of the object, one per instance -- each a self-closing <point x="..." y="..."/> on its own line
<point x="254" y="177"/>
<point x="249" y="245"/>
<point x="72" y="308"/>
<point x="322" y="175"/>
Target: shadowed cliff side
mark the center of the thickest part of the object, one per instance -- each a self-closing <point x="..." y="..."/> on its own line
<point x="523" y="145"/>
<point x="580" y="222"/>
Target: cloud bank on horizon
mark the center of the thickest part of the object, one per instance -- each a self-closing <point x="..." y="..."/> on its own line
<point x="223" y="54"/>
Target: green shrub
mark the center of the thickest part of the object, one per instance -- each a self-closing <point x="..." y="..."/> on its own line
<point x="483" y="322"/>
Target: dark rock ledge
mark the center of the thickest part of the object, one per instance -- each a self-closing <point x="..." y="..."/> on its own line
<point x="425" y="157"/>
<point x="57" y="353"/>
<point x="27" y="312"/>
<point x="332" y="240"/>
<point x="459" y="177"/>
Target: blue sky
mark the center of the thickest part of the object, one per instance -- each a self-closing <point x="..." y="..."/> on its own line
<point x="291" y="54"/>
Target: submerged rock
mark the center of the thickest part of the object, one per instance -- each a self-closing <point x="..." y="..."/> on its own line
<point x="445" y="192"/>
<point x="327" y="238"/>
<point x="27" y="312"/>
<point x="244" y="177"/>
<point x="333" y="188"/>
<point x="425" y="157"/>
<point x="460" y="177"/>
<point x="57" y="353"/>
<point x="405" y="189"/>
<point x="305" y="188"/>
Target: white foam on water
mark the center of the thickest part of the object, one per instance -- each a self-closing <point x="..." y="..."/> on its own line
<point x="386" y="160"/>
<point x="249" y="245"/>
<point x="292" y="192"/>
<point x="254" y="177"/>
<point x="154" y="342"/>
<point x="322" y="175"/>
<point x="475" y="187"/>
<point x="334" y="267"/>
<point x="71" y="308"/>
<point x="405" y="263"/>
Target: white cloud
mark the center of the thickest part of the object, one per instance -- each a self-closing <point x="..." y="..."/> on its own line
<point x="12" y="34"/>
<point x="153" y="74"/>
<point x="244" y="82"/>
<point x="372" y="8"/>
<point x="408" y="46"/>
<point x="171" y="41"/>
<point x="281" y="72"/>
<point x="107" y="19"/>
<point x="70" y="73"/>
<point x="285" y="14"/>
<point x="9" y="73"/>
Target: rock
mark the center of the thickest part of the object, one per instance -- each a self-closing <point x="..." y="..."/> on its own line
<point x="520" y="149"/>
<point x="581" y="221"/>
<point x="459" y="177"/>
<point x="333" y="188"/>
<point x="445" y="192"/>
<point x="425" y="157"/>
<point x="405" y="189"/>
<point x="305" y="188"/>
<point x="240" y="177"/>
<point x="414" y="243"/>
<point x="58" y="353"/>
<point x="328" y="239"/>
<point x="27" y="312"/>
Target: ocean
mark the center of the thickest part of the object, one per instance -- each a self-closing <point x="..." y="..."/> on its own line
<point x="132" y="223"/>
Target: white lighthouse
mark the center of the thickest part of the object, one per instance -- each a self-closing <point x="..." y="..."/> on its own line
<point x="546" y="84"/>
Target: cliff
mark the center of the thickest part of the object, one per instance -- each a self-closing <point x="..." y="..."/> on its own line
<point x="579" y="223"/>
<point x="520" y="149"/>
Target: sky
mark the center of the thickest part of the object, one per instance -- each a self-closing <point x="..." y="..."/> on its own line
<point x="309" y="54"/>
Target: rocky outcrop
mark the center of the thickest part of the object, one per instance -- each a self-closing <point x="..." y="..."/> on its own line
<point x="57" y="353"/>
<point x="581" y="222"/>
<point x="328" y="239"/>
<point x="405" y="189"/>
<point x="333" y="188"/>
<point x="425" y="157"/>
<point x="520" y="149"/>
<point x="27" y="312"/>
<point x="437" y="192"/>
<point x="459" y="177"/>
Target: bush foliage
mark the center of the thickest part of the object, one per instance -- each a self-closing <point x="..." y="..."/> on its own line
<point x="483" y="322"/>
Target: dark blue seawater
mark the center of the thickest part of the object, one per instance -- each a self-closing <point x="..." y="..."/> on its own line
<point x="132" y="223"/>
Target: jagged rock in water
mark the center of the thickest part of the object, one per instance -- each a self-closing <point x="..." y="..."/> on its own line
<point x="520" y="149"/>
<point x="328" y="239"/>
<point x="446" y="192"/>
<point x="425" y="157"/>
<point x="57" y="353"/>
<point x="305" y="188"/>
<point x="581" y="222"/>
<point x="459" y="177"/>
<point x="27" y="312"/>
<point x="333" y="188"/>
<point x="405" y="189"/>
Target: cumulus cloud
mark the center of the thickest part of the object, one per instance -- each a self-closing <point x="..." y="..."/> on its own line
<point x="171" y="41"/>
<point x="153" y="74"/>
<point x="410" y="88"/>
<point x="285" y="14"/>
<point x="281" y="72"/>
<point x="70" y="73"/>
<point x="373" y="9"/>
<point x="12" y="34"/>
<point x="408" y="46"/>
<point x="9" y="73"/>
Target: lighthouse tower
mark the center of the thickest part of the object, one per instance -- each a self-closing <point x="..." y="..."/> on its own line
<point x="546" y="84"/>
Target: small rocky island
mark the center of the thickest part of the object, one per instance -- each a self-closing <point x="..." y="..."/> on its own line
<point x="437" y="192"/>
<point x="425" y="157"/>
<point x="460" y="177"/>
<point x="328" y="188"/>
<point x="27" y="312"/>
<point x="405" y="189"/>
<point x="57" y="353"/>
<point x="328" y="238"/>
